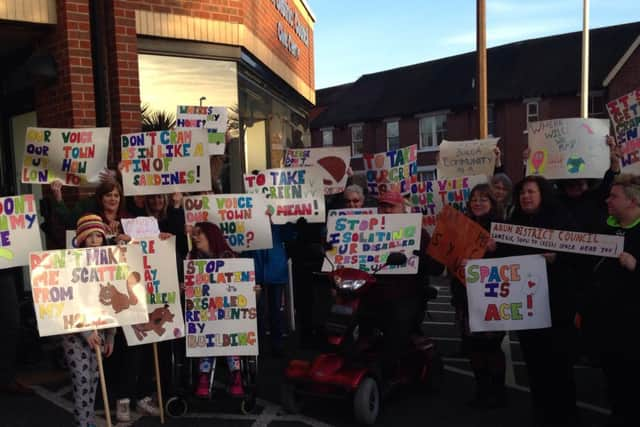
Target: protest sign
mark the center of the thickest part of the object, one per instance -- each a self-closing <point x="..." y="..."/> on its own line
<point x="332" y="163"/>
<point x="291" y="193"/>
<point x="464" y="158"/>
<point x="19" y="230"/>
<point x="605" y="245"/>
<point x="356" y="211"/>
<point x="625" y="115"/>
<point x="165" y="161"/>
<point x="241" y="217"/>
<point x="78" y="290"/>
<point x="364" y="242"/>
<point x="457" y="238"/>
<point x="508" y="294"/>
<point x="213" y="119"/>
<point x="568" y="148"/>
<point x="160" y="279"/>
<point x="220" y="313"/>
<point x="70" y="239"/>
<point x="393" y="170"/>
<point x="429" y="197"/>
<point x="140" y="227"/>
<point x="74" y="156"/>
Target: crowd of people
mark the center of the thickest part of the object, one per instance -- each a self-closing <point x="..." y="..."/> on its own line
<point x="590" y="298"/>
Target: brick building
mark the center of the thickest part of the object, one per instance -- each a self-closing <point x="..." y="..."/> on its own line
<point x="421" y="104"/>
<point x="93" y="63"/>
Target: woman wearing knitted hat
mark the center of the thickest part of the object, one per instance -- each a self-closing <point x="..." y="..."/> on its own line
<point x="79" y="349"/>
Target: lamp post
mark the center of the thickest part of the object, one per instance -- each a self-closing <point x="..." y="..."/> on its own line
<point x="202" y="98"/>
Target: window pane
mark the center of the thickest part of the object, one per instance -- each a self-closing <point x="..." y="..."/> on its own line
<point x="327" y="137"/>
<point x="392" y="129"/>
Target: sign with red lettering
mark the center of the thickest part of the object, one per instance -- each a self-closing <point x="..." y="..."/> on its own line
<point x="332" y="163"/>
<point x="394" y="170"/>
<point x="625" y="115"/>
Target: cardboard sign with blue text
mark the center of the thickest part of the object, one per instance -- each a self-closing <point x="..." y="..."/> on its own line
<point x="393" y="170"/>
<point x="160" y="279"/>
<point x="19" y="230"/>
<point x="508" y="294"/>
<point x="242" y="218"/>
<point x="365" y="241"/>
<point x="568" y="148"/>
<point x="165" y="161"/>
<point x="291" y="193"/>
<point x="332" y="163"/>
<point x="625" y="115"/>
<point x="78" y="290"/>
<point x="213" y="119"/>
<point x="73" y="156"/>
<point x="220" y="308"/>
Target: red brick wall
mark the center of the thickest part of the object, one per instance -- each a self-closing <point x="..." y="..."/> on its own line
<point x="69" y="102"/>
<point x="628" y="78"/>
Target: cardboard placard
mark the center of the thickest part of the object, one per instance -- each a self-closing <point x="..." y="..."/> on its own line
<point x="73" y="156"/>
<point x="160" y="280"/>
<point x="465" y="158"/>
<point x="365" y="241"/>
<point x="291" y="193"/>
<point x="430" y="197"/>
<point x="78" y="290"/>
<point x="457" y="238"/>
<point x="213" y="119"/>
<point x="558" y="240"/>
<point x="568" y="148"/>
<point x="355" y="211"/>
<point x="140" y="227"/>
<point x="165" y="161"/>
<point x="220" y="313"/>
<point x="19" y="230"/>
<point x="332" y="163"/>
<point x="241" y="217"/>
<point x="393" y="170"/>
<point x="508" y="294"/>
<point x="625" y="115"/>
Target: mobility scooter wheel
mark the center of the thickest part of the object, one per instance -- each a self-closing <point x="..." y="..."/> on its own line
<point x="176" y="407"/>
<point x="290" y="402"/>
<point x="248" y="405"/>
<point x="366" y="402"/>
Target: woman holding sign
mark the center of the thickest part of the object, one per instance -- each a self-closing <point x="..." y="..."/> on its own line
<point x="548" y="352"/>
<point x="79" y="349"/>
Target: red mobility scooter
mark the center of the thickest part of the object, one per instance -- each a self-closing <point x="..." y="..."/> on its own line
<point x="353" y="367"/>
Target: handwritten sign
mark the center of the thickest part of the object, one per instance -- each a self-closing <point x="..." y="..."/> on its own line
<point x="508" y="294"/>
<point x="625" y="115"/>
<point x="455" y="239"/>
<point x="605" y="245"/>
<point x="291" y="193"/>
<point x="160" y="279"/>
<point x="241" y="217"/>
<point x="364" y="242"/>
<point x="140" y="227"/>
<point x="391" y="170"/>
<point x="19" y="230"/>
<point x="464" y="158"/>
<point x="78" y="290"/>
<point x="220" y="313"/>
<point x="70" y="239"/>
<point x="213" y="119"/>
<point x="165" y="161"/>
<point x="568" y="148"/>
<point x="73" y="156"/>
<point x="356" y="211"/>
<point x="332" y="163"/>
<point x="430" y="197"/>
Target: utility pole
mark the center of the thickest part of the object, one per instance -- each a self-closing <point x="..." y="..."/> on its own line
<point x="481" y="49"/>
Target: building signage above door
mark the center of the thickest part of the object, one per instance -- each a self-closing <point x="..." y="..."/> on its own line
<point x="291" y="16"/>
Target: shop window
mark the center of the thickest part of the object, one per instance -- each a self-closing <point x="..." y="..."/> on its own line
<point x="357" y="140"/>
<point x="393" y="135"/>
<point x="433" y="130"/>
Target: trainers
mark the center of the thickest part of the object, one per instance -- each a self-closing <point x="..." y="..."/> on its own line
<point x="123" y="415"/>
<point x="236" y="389"/>
<point x="203" y="386"/>
<point x="147" y="406"/>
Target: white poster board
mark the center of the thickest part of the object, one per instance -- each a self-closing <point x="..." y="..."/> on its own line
<point x="354" y="211"/>
<point x="73" y="156"/>
<point x="19" y="230"/>
<point x="78" y="290"/>
<point x="568" y="148"/>
<point x="393" y="170"/>
<point x="365" y="241"/>
<point x="160" y="279"/>
<point x="141" y="226"/>
<point x="332" y="163"/>
<point x="291" y="193"/>
<point x="466" y="158"/>
<point x="242" y="218"/>
<point x="508" y="294"/>
<point x="220" y="313"/>
<point x="165" y="161"/>
<point x="213" y="119"/>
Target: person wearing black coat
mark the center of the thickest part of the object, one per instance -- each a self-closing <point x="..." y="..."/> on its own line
<point x="548" y="352"/>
